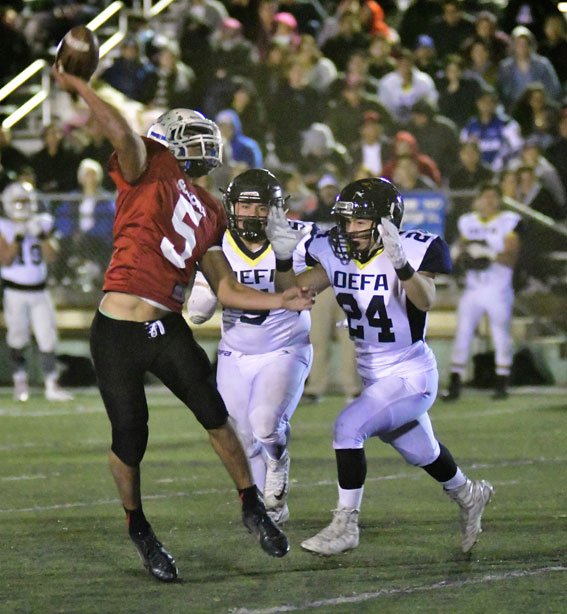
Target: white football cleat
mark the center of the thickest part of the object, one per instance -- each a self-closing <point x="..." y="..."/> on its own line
<point x="53" y="392"/>
<point x="472" y="498"/>
<point x="276" y="484"/>
<point x="341" y="535"/>
<point x="21" y="392"/>
<point x="279" y="514"/>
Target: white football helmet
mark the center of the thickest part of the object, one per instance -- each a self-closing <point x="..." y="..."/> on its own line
<point x="19" y="200"/>
<point x="193" y="139"/>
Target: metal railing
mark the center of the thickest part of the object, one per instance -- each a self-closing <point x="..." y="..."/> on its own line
<point x="41" y="66"/>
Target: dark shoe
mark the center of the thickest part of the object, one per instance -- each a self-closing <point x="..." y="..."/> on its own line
<point x="272" y="540"/>
<point x="500" y="391"/>
<point x="454" y="390"/>
<point x="155" y="557"/>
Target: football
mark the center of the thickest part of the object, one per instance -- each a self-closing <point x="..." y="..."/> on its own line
<point x="78" y="52"/>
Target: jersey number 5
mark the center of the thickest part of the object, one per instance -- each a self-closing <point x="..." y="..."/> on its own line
<point x="183" y="207"/>
<point x="376" y="315"/>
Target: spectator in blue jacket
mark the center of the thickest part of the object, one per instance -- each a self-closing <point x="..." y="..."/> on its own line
<point x="84" y="225"/>
<point x="525" y="67"/>
<point x="238" y="147"/>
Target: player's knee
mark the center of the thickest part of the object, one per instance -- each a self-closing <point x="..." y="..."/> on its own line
<point x="347" y="436"/>
<point x="130" y="445"/>
<point x="419" y="458"/>
<point x="264" y="426"/>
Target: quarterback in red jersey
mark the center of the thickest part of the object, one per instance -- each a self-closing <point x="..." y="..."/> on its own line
<point x="163" y="226"/>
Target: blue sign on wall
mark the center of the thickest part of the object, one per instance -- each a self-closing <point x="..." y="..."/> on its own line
<point x="424" y="211"/>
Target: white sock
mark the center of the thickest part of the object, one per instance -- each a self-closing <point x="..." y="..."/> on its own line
<point x="456" y="481"/>
<point x="350" y="498"/>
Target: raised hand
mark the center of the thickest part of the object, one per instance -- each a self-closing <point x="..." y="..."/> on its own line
<point x="392" y="243"/>
<point x="281" y="235"/>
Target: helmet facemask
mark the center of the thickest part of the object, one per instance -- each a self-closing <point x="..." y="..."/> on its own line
<point x="194" y="140"/>
<point x="372" y="199"/>
<point x="254" y="186"/>
<point x="347" y="244"/>
<point x="19" y="200"/>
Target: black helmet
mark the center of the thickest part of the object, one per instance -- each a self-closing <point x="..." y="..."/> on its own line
<point x="256" y="185"/>
<point x="372" y="199"/>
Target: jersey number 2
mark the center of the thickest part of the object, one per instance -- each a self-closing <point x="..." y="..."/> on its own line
<point x="376" y="315"/>
<point x="183" y="207"/>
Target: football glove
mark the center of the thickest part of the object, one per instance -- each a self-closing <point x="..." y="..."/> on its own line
<point x="281" y="235"/>
<point x="202" y="303"/>
<point x="40" y="225"/>
<point x="392" y="243"/>
<point x="478" y="251"/>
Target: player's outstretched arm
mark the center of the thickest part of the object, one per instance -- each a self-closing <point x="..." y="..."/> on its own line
<point x="129" y="146"/>
<point x="233" y="294"/>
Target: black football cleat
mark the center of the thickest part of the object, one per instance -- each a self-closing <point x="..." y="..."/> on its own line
<point x="154" y="556"/>
<point x="271" y="538"/>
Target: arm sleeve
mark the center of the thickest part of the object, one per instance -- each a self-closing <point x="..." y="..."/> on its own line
<point x="437" y="258"/>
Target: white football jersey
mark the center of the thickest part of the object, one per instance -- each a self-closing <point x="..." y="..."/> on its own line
<point x="387" y="329"/>
<point x="258" y="332"/>
<point x="493" y="232"/>
<point x="28" y="267"/>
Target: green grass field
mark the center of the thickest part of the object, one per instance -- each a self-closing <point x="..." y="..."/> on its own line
<point x="64" y="547"/>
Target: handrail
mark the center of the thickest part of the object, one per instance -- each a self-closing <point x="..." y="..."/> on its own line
<point x="20" y="79"/>
<point x="152" y="11"/>
<point x="43" y="95"/>
<point x="542" y="219"/>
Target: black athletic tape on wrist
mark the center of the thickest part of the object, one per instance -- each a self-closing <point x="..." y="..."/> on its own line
<point x="284" y="265"/>
<point x="405" y="272"/>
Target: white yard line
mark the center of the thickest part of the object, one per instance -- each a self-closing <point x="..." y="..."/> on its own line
<point x="414" y="475"/>
<point x="407" y="590"/>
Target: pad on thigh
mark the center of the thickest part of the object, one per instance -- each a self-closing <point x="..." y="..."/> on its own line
<point x="418" y="444"/>
<point x="384" y="406"/>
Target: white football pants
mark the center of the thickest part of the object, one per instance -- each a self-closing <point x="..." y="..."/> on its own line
<point x="473" y="304"/>
<point x="395" y="409"/>
<point x="261" y="393"/>
<point x="26" y="311"/>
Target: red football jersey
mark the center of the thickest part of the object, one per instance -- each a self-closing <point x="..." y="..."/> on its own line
<point x="162" y="226"/>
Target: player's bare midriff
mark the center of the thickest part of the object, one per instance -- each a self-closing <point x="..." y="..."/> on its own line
<point x="128" y="307"/>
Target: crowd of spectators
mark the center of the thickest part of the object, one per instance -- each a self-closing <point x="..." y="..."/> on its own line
<point x="433" y="94"/>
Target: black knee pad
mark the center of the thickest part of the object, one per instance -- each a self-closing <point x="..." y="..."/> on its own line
<point x="351" y="468"/>
<point x="130" y="445"/>
<point x="18" y="359"/>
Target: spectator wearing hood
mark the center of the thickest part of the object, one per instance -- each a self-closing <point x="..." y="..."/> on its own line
<point x="320" y="151"/>
<point x="405" y="143"/>
<point x="371" y="16"/>
<point x="238" y="147"/>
